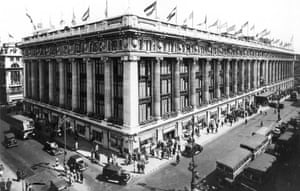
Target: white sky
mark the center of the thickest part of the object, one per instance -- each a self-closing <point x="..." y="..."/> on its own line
<point x="282" y="17"/>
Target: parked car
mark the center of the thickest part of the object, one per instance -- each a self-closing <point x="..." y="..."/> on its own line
<point x="115" y="173"/>
<point x="58" y="184"/>
<point x="76" y="162"/>
<point x="52" y="148"/>
<point x="10" y="140"/>
<point x="190" y="150"/>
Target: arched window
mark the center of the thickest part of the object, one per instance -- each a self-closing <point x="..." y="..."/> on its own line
<point x="15" y="65"/>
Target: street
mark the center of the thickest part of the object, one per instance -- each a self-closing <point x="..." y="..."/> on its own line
<point x="30" y="157"/>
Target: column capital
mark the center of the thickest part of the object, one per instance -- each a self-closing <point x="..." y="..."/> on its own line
<point x="59" y="60"/>
<point x="87" y="59"/>
<point x="195" y="59"/>
<point x="159" y="58"/>
<point x="72" y="60"/>
<point x="179" y="58"/>
<point x="130" y="58"/>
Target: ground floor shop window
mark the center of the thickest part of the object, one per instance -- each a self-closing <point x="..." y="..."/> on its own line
<point x="81" y="129"/>
<point x="116" y="141"/>
<point x="97" y="136"/>
<point x="169" y="135"/>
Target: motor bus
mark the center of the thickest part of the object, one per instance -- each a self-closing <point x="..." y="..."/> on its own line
<point x="256" y="144"/>
<point x="230" y="166"/>
<point x="265" y="131"/>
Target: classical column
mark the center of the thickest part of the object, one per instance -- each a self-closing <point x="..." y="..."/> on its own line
<point x="89" y="85"/>
<point x="61" y="71"/>
<point x="248" y="74"/>
<point x="51" y="81"/>
<point x="258" y="72"/>
<point x="242" y="75"/>
<point x="25" y="79"/>
<point x="193" y="82"/>
<point x="75" y="76"/>
<point x="254" y="73"/>
<point x="267" y="72"/>
<point x="156" y="87"/>
<point x="235" y="77"/>
<point x="177" y="85"/>
<point x="34" y="80"/>
<point x="205" y="80"/>
<point x="217" y="78"/>
<point x="41" y="80"/>
<point x="107" y="87"/>
<point x="130" y="91"/>
<point x="227" y="83"/>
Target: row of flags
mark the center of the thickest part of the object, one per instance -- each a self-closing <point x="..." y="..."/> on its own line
<point x="245" y="30"/>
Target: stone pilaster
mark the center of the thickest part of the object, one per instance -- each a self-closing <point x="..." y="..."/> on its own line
<point x="107" y="87"/>
<point x="61" y="71"/>
<point x="248" y="74"/>
<point x="75" y="84"/>
<point x="267" y="71"/>
<point x="205" y="81"/>
<point x="156" y="87"/>
<point x="193" y="82"/>
<point x="90" y="85"/>
<point x="227" y="83"/>
<point x="235" y="76"/>
<point x="177" y="84"/>
<point x="41" y="80"/>
<point x="242" y="75"/>
<point x="217" y="79"/>
<point x="130" y="91"/>
<point x="51" y="81"/>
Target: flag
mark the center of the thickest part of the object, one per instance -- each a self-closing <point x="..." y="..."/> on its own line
<point x="239" y="31"/>
<point x="231" y="28"/>
<point x="204" y="22"/>
<point x="245" y="24"/>
<point x="266" y="33"/>
<point x="215" y="24"/>
<point x="292" y="39"/>
<point x="252" y="28"/>
<point x="172" y="13"/>
<point x="150" y="9"/>
<point x="106" y="9"/>
<point x="50" y="24"/>
<point x="276" y="41"/>
<point x="191" y="17"/>
<point x="30" y="19"/>
<point x="73" y="22"/>
<point x="10" y="35"/>
<point x="62" y="22"/>
<point x="223" y="25"/>
<point x="86" y="15"/>
<point x="39" y="25"/>
<point x="261" y="33"/>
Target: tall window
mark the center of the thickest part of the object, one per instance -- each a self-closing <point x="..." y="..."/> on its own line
<point x="145" y="95"/>
<point x="199" y="84"/>
<point x="56" y="83"/>
<point x="82" y="87"/>
<point x="184" y="85"/>
<point x="117" y="90"/>
<point x="68" y="98"/>
<point x="99" y="88"/>
<point x="166" y="86"/>
<point x="15" y="77"/>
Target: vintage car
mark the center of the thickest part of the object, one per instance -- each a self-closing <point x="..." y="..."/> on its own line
<point x="76" y="162"/>
<point x="10" y="140"/>
<point x="190" y="150"/>
<point x="115" y="173"/>
<point x="58" y="184"/>
<point x="52" y="148"/>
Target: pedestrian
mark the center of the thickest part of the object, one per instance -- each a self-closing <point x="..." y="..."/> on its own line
<point x="76" y="145"/>
<point x="81" y="177"/>
<point x="78" y="174"/>
<point x="96" y="147"/>
<point x="56" y="162"/>
<point x="74" y="174"/>
<point x="138" y="166"/>
<point x="92" y="156"/>
<point x="143" y="167"/>
<point x="207" y="130"/>
<point x="162" y="154"/>
<point x="246" y="121"/>
<point x="1" y="170"/>
<point x="261" y="123"/>
<point x="177" y="158"/>
<point x="70" y="179"/>
<point x="18" y="173"/>
<point x="174" y="150"/>
<point x="8" y="184"/>
<point x="222" y="123"/>
<point x="265" y="113"/>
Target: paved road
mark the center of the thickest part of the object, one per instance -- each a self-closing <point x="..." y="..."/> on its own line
<point x="177" y="177"/>
<point x="30" y="153"/>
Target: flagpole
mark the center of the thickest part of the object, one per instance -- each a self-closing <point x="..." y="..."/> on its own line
<point x="156" y="9"/>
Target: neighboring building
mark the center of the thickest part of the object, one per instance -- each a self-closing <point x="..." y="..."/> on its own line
<point x="11" y="73"/>
<point x="297" y="71"/>
<point x="128" y="81"/>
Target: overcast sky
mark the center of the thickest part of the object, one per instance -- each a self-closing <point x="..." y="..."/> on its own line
<point x="281" y="17"/>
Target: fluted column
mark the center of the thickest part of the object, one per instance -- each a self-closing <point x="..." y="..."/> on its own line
<point x="217" y="78"/>
<point x="156" y="88"/>
<point x="107" y="87"/>
<point x="51" y="81"/>
<point x="227" y="83"/>
<point x="61" y="70"/>
<point x="248" y="74"/>
<point x="258" y="73"/>
<point x="254" y="73"/>
<point x="205" y="81"/>
<point x="177" y="84"/>
<point x="130" y="91"/>
<point x="235" y="77"/>
<point x="26" y="79"/>
<point x="193" y="82"/>
<point x="242" y="75"/>
<point x="41" y="80"/>
<point x="267" y="72"/>
<point x="89" y="85"/>
<point x="33" y="80"/>
<point x="74" y="83"/>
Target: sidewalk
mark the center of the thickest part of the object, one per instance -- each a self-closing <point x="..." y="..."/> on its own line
<point x="9" y="173"/>
<point x="85" y="147"/>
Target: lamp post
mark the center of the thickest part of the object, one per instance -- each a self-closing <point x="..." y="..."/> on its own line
<point x="65" y="140"/>
<point x="193" y="166"/>
<point x="278" y="108"/>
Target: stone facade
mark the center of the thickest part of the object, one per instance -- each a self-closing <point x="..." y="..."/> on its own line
<point x="128" y="81"/>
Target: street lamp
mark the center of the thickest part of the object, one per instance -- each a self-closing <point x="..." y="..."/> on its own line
<point x="192" y="164"/>
<point x="278" y="108"/>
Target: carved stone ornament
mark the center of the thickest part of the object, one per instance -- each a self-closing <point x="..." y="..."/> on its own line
<point x="180" y="47"/>
<point x="134" y="43"/>
<point x="160" y="45"/>
<point x="195" y="48"/>
<point x="125" y="43"/>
